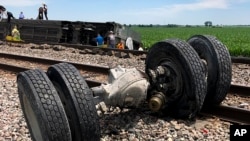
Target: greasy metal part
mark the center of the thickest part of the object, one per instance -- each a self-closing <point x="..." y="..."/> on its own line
<point x="166" y="78"/>
<point x="153" y="75"/>
<point x="98" y="92"/>
<point x="126" y="88"/>
<point x="160" y="70"/>
<point x="157" y="101"/>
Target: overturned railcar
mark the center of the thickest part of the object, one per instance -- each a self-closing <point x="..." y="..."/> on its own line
<point x="75" y="32"/>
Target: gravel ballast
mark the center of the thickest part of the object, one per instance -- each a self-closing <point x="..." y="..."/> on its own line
<point x="116" y="124"/>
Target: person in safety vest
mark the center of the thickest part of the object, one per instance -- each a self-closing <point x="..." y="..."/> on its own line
<point x="15" y="34"/>
<point x="120" y="45"/>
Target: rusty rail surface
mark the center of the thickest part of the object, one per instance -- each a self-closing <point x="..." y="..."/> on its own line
<point x="239" y="90"/>
<point x="228" y="113"/>
<point x="243" y="60"/>
<point x="91" y="68"/>
<point x="17" y="69"/>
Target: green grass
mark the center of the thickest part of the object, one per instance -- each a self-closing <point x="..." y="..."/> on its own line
<point x="236" y="39"/>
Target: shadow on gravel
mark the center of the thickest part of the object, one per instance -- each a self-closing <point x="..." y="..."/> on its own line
<point x="122" y="121"/>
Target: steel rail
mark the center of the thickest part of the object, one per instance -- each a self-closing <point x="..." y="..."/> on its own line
<point x="228" y="113"/>
<point x="17" y="69"/>
<point x="243" y="60"/>
<point x="245" y="91"/>
<point x="242" y="90"/>
<point x="92" y="68"/>
<point x="239" y="90"/>
<point x="234" y="59"/>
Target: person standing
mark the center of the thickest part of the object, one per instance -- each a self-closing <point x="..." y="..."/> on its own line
<point x="111" y="40"/>
<point x="120" y="45"/>
<point x="9" y="16"/>
<point x="140" y="48"/>
<point x="45" y="10"/>
<point x="21" y="15"/>
<point x="40" y="13"/>
<point x="15" y="34"/>
<point x="99" y="40"/>
<point x="2" y="9"/>
<point x="1" y="15"/>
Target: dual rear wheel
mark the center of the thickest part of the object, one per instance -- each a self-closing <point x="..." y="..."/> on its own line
<point x="195" y="73"/>
<point x="58" y="105"/>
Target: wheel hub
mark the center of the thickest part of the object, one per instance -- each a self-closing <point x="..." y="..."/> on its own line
<point x="165" y="81"/>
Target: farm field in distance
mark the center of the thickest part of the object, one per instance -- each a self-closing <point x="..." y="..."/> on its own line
<point x="236" y="38"/>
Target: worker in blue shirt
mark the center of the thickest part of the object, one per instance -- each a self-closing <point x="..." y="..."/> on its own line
<point x="99" y="40"/>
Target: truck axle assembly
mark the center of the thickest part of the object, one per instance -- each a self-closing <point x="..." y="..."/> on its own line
<point x="180" y="78"/>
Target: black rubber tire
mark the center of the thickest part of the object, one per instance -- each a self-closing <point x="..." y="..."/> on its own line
<point x="78" y="101"/>
<point x="219" y="68"/>
<point x="187" y="102"/>
<point x="42" y="108"/>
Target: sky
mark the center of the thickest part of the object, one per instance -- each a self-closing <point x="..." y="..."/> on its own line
<point x="182" y="12"/>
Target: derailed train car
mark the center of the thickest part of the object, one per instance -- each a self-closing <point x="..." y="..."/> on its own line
<point x="75" y="32"/>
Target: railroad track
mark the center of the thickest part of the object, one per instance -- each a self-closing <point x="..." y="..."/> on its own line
<point x="232" y="114"/>
<point x="99" y="70"/>
<point x="98" y="50"/>
<point x="90" y="49"/>
<point x="88" y="68"/>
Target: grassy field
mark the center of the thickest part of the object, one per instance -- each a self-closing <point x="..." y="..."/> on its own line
<point x="237" y="39"/>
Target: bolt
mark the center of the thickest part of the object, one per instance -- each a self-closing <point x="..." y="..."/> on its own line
<point x="153" y="75"/>
<point x="162" y="70"/>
